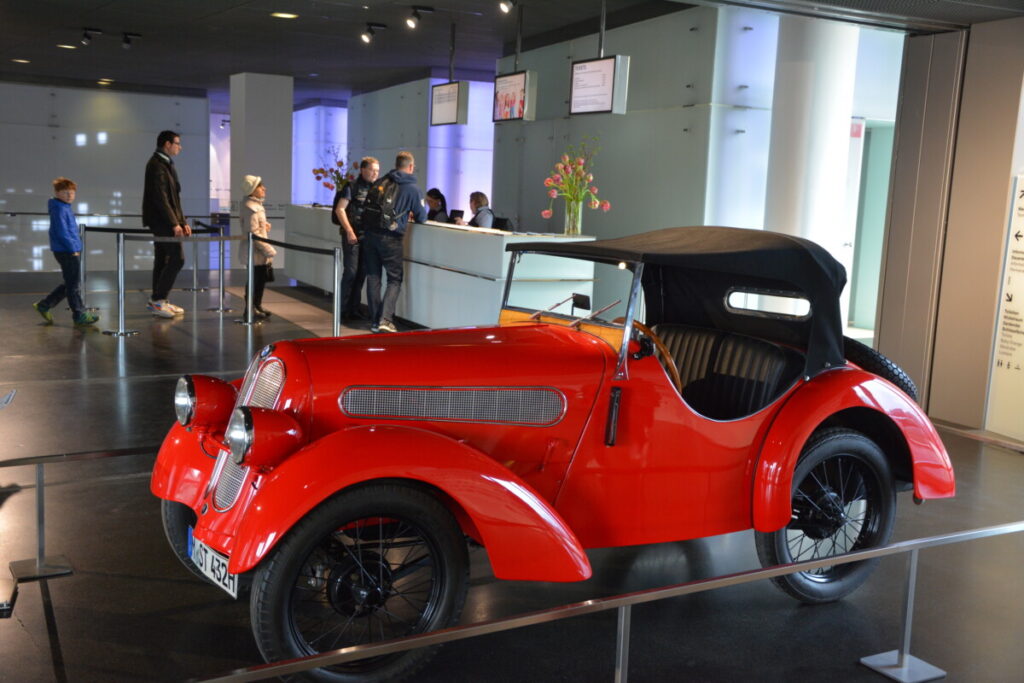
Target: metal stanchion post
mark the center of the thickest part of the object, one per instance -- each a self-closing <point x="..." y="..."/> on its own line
<point x="41" y="567"/>
<point x="900" y="665"/>
<point x="220" y="307"/>
<point x="247" y="317"/>
<point x="195" y="271"/>
<point x="622" y="645"/>
<point x="120" y="331"/>
<point x="82" y="275"/>
<point x="336" y="319"/>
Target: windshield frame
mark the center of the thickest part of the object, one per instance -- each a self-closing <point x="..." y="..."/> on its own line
<point x="635" y="290"/>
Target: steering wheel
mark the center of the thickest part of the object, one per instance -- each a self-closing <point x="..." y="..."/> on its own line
<point x="666" y="357"/>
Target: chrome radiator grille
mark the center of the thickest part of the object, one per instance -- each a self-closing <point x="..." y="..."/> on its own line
<point x="229" y="483"/>
<point x="261" y="389"/>
<point x="262" y="386"/>
<point x="535" y="406"/>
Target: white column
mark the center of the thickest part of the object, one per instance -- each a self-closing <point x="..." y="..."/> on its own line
<point x="810" y="132"/>
<point x="261" y="139"/>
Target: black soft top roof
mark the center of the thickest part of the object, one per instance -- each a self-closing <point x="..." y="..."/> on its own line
<point x="689" y="273"/>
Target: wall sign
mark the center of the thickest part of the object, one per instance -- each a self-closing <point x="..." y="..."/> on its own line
<point x="599" y="86"/>
<point x="449" y="103"/>
<point x="514" y="96"/>
<point x="1005" y="414"/>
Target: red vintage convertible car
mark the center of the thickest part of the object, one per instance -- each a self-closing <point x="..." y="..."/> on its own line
<point x="340" y="482"/>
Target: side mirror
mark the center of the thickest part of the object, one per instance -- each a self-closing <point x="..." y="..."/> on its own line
<point x="581" y="301"/>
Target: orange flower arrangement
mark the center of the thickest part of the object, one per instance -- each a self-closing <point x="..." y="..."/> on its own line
<point x="333" y="173"/>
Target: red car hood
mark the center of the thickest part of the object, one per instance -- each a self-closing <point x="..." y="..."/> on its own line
<point x="520" y="355"/>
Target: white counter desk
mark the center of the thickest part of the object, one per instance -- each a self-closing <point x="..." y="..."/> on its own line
<point x="454" y="275"/>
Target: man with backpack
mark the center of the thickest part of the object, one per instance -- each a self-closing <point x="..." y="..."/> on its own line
<point x="347" y="213"/>
<point x="389" y="205"/>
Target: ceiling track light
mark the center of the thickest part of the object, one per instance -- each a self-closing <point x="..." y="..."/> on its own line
<point x="506" y="5"/>
<point x="414" y="18"/>
<point x="371" y="30"/>
<point x="89" y="33"/>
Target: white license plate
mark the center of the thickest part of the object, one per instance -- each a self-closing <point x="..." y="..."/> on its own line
<point x="215" y="566"/>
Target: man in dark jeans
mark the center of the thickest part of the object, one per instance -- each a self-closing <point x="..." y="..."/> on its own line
<point x="383" y="245"/>
<point x="348" y="212"/>
<point x="161" y="213"/>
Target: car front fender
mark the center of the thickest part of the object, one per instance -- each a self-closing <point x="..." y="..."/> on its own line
<point x="525" y="537"/>
<point x="812" y="404"/>
<point x="182" y="468"/>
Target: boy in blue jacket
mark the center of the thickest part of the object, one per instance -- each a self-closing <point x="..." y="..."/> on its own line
<point x="67" y="249"/>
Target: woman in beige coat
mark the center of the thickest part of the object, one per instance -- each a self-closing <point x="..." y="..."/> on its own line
<point x="253" y="219"/>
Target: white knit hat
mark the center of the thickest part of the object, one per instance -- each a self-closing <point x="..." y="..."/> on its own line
<point x="249" y="184"/>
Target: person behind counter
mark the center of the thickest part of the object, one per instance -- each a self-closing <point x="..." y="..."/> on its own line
<point x="483" y="217"/>
<point x="438" y="210"/>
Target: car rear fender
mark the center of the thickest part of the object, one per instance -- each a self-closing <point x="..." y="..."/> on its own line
<point x="525" y="537"/>
<point x="822" y="402"/>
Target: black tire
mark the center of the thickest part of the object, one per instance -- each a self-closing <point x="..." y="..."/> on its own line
<point x="868" y="359"/>
<point x="843" y="500"/>
<point x="177" y="518"/>
<point x="375" y="563"/>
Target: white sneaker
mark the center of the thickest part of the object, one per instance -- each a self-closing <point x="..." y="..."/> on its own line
<point x="178" y="310"/>
<point x="161" y="309"/>
<point x="387" y="326"/>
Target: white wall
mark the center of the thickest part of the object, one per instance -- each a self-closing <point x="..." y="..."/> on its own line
<point x="47" y="132"/>
<point x="692" y="148"/>
<point x="456" y="159"/>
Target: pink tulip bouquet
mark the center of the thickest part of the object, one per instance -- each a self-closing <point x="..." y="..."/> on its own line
<point x="572" y="179"/>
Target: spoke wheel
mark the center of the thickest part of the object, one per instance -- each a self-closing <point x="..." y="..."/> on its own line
<point x="843" y="500"/>
<point x="378" y="563"/>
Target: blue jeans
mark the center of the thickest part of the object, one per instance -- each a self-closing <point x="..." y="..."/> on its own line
<point x="382" y="252"/>
<point x="71" y="269"/>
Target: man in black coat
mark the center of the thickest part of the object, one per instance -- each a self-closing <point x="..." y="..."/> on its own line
<point x="161" y="213"/>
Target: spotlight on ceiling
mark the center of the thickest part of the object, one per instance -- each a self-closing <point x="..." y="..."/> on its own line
<point x="89" y="33"/>
<point x="417" y="12"/>
<point x="506" y="5"/>
<point x="126" y="40"/>
<point x="371" y="30"/>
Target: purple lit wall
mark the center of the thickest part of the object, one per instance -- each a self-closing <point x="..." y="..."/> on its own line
<point x="460" y="158"/>
<point x="315" y="131"/>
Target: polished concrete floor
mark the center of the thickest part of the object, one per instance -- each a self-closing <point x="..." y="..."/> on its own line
<point x="130" y="612"/>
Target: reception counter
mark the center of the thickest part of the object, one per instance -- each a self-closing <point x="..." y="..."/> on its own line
<point x="454" y="275"/>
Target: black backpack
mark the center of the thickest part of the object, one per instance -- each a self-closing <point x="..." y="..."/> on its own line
<point x="379" y="209"/>
<point x="354" y="210"/>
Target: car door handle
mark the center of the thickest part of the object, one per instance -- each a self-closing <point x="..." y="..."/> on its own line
<point x="612" y="428"/>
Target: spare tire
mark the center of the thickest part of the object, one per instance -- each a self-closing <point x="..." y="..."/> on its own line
<point x="867" y="358"/>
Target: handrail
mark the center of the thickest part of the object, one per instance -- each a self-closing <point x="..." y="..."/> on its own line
<point x="335" y="253"/>
<point x="297" y="247"/>
<point x="43" y="565"/>
<point x="79" y="456"/>
<point x="626" y="600"/>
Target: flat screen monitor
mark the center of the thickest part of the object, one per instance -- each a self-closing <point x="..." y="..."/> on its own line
<point x="599" y="86"/>
<point x="514" y="96"/>
<point x="449" y="103"/>
<point x="455" y="213"/>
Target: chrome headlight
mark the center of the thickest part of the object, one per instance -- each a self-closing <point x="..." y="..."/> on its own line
<point x="184" y="400"/>
<point x="239" y="434"/>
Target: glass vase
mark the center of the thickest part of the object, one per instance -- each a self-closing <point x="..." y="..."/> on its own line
<point x="573" y="218"/>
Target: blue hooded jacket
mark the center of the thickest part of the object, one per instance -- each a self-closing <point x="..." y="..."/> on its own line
<point x="407" y="199"/>
<point x="63" y="228"/>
